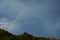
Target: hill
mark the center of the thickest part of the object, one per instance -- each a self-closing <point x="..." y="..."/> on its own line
<point x="4" y="35"/>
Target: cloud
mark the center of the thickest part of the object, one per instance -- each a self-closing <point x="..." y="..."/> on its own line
<point x="3" y="23"/>
<point x="47" y="13"/>
<point x="9" y="7"/>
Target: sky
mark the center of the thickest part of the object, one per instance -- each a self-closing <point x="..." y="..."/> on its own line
<point x="37" y="17"/>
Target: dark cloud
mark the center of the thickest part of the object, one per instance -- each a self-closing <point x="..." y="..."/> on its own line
<point x="45" y="12"/>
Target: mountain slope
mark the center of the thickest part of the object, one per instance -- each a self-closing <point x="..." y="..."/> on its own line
<point x="4" y="35"/>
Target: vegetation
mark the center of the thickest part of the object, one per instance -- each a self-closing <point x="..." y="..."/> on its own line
<point x="4" y="35"/>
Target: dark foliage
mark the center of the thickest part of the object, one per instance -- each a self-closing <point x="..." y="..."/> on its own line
<point x="4" y="35"/>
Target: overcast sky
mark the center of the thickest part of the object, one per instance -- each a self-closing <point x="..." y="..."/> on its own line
<point x="39" y="17"/>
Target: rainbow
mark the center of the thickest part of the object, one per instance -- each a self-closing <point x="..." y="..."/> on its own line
<point x="11" y="24"/>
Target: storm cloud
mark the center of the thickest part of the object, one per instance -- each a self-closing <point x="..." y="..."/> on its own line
<point x="40" y="17"/>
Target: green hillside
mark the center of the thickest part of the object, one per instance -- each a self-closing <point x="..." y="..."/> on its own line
<point x="4" y="35"/>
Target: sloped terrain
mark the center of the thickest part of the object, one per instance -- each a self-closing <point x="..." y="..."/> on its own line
<point x="4" y="35"/>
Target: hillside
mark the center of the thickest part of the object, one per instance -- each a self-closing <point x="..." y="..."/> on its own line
<point x="4" y="35"/>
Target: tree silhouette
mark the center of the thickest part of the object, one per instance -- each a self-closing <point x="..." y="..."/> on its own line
<point x="4" y="35"/>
